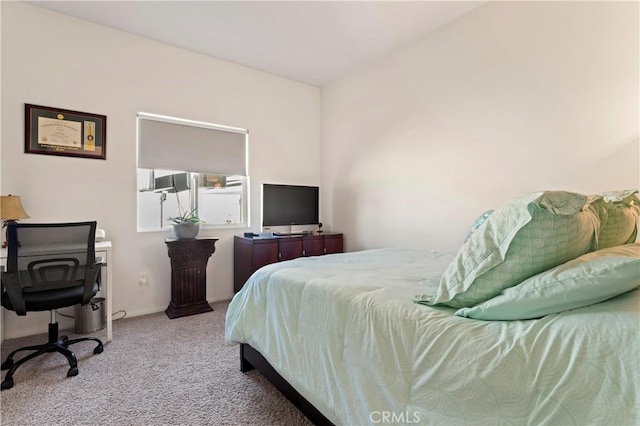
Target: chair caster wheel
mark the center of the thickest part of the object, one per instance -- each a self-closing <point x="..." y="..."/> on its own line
<point x="7" y="384"/>
<point x="98" y="350"/>
<point x="73" y="371"/>
<point x="7" y="364"/>
<point x="64" y="338"/>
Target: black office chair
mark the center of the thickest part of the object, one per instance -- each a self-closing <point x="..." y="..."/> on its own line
<point x="49" y="266"/>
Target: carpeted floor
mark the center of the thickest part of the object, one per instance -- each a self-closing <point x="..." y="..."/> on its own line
<point x="156" y="371"/>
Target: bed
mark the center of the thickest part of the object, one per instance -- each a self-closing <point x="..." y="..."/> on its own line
<point x="362" y="338"/>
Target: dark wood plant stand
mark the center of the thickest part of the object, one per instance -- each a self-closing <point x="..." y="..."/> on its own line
<point x="189" y="276"/>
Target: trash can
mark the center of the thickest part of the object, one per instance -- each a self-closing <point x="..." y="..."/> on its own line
<point x="91" y="317"/>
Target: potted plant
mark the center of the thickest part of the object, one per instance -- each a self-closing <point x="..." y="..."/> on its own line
<point x="187" y="225"/>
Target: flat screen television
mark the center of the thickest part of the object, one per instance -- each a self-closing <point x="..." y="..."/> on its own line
<point x="290" y="209"/>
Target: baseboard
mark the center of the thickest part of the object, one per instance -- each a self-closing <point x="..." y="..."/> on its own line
<point x="155" y="310"/>
<point x="39" y="325"/>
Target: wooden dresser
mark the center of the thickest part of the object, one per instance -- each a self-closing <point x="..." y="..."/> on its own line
<point x="250" y="254"/>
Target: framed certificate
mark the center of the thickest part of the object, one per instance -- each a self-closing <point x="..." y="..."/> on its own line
<point x="55" y="131"/>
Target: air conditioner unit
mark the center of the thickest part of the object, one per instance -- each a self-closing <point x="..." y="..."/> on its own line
<point x="177" y="182"/>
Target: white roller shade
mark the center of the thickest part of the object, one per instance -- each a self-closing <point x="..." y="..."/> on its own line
<point x="174" y="144"/>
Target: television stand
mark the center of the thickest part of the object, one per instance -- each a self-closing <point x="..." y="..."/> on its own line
<point x="250" y="254"/>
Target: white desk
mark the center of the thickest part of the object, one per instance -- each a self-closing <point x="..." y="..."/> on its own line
<point x="103" y="250"/>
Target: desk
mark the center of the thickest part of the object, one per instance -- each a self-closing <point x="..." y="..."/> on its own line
<point x="103" y="250"/>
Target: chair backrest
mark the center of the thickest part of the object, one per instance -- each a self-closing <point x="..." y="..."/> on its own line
<point x="50" y="254"/>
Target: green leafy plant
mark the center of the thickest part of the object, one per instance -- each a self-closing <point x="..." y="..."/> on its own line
<point x="186" y="216"/>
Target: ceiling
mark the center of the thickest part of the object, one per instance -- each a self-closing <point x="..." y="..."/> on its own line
<point x="312" y="42"/>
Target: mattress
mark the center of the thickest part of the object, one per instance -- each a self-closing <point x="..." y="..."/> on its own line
<point x="344" y="331"/>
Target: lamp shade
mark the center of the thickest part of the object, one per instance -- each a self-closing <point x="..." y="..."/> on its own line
<point x="11" y="208"/>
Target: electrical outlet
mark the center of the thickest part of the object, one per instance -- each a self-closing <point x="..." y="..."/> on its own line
<point x="143" y="279"/>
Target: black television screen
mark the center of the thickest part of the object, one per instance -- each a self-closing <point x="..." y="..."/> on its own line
<point x="284" y="205"/>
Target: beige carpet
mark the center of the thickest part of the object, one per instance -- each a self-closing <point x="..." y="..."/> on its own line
<point x="156" y="371"/>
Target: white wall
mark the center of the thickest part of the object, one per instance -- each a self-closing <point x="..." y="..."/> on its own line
<point x="511" y="98"/>
<point x="53" y="60"/>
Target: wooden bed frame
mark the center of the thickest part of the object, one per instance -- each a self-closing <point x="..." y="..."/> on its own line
<point x="251" y="358"/>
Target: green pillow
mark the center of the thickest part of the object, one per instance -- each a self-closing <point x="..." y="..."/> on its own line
<point x="618" y="213"/>
<point x="478" y="223"/>
<point x="522" y="238"/>
<point x="589" y="279"/>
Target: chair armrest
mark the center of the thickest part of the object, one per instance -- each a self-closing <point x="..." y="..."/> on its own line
<point x="103" y="262"/>
<point x="91" y="274"/>
<point x="11" y="283"/>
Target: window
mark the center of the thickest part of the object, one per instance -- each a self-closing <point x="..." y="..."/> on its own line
<point x="185" y="165"/>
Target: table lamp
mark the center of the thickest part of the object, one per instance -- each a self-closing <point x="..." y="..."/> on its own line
<point x="10" y="211"/>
